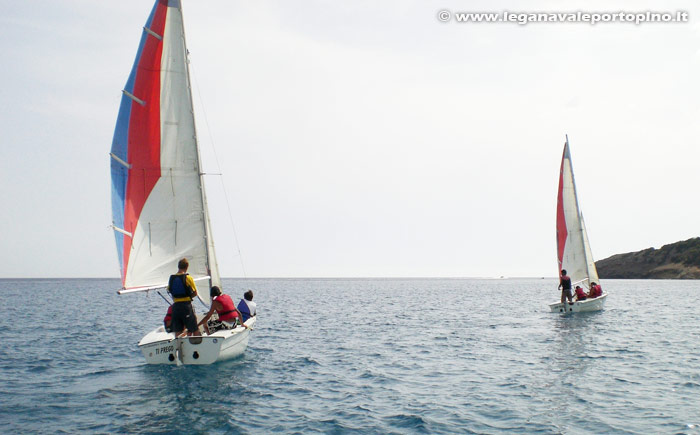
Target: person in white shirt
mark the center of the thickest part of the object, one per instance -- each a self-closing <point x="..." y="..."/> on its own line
<point x="246" y="306"/>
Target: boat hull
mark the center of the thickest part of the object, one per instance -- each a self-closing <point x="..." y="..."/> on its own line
<point x="161" y="347"/>
<point x="587" y="305"/>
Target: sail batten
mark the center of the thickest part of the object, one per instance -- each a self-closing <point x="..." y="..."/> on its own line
<point x="152" y="33"/>
<point x="122" y="162"/>
<point x="126" y="233"/>
<point x="134" y="97"/>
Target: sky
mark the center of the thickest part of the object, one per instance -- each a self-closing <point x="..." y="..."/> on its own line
<point x="361" y="138"/>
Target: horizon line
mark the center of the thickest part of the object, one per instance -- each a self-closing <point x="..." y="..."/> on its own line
<point x="309" y="277"/>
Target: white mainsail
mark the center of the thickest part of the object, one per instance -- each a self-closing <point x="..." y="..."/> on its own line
<point x="159" y="203"/>
<point x="573" y="248"/>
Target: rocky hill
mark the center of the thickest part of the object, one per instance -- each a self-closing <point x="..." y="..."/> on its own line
<point x="680" y="260"/>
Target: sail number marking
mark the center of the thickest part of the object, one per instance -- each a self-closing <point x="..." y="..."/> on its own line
<point x="164" y="349"/>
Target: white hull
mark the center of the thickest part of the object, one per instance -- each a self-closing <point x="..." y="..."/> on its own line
<point x="160" y="347"/>
<point x="587" y="305"/>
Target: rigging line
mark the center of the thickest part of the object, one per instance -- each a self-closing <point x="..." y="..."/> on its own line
<point x="218" y="167"/>
<point x="164" y="298"/>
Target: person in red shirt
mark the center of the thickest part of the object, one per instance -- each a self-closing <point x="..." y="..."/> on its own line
<point x="225" y="309"/>
<point x="596" y="291"/>
<point x="580" y="294"/>
<point x="167" y="320"/>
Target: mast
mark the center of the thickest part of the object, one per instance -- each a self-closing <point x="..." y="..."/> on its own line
<point x="212" y="266"/>
<point x="573" y="178"/>
<point x="581" y="230"/>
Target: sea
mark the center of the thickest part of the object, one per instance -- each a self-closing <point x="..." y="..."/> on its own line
<point x="369" y="356"/>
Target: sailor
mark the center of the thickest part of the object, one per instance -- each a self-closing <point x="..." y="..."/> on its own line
<point x="246" y="306"/>
<point x="223" y="305"/>
<point x="168" y="319"/>
<point x="596" y="291"/>
<point x="565" y="286"/>
<point x="580" y="294"/>
<point x="183" y="289"/>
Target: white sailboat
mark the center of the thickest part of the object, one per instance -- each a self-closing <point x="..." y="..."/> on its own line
<point x="573" y="249"/>
<point x="159" y="204"/>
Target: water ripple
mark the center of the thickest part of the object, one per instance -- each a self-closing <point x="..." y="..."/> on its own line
<point x="433" y="356"/>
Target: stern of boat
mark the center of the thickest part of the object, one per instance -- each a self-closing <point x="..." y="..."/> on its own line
<point x="160" y="347"/>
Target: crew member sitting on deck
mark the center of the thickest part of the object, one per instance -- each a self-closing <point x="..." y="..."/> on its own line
<point x="580" y="294"/>
<point x="167" y="320"/>
<point x="223" y="305"/>
<point x="246" y="306"/>
<point x="596" y="291"/>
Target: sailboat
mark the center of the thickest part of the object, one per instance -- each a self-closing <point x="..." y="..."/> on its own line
<point x="159" y="204"/>
<point x="573" y="249"/>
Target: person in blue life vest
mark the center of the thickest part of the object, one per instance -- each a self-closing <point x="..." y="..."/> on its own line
<point x="580" y="294"/>
<point x="565" y="286"/>
<point x="246" y="306"/>
<point x="183" y="289"/>
<point x="225" y="309"/>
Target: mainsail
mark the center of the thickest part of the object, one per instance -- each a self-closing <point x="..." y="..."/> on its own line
<point x="158" y="202"/>
<point x="573" y="248"/>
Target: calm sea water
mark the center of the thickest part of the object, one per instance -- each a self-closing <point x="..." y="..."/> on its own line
<point x="367" y="356"/>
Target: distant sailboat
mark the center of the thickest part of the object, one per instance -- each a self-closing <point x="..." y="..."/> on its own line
<point x="159" y="204"/>
<point x="573" y="249"/>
